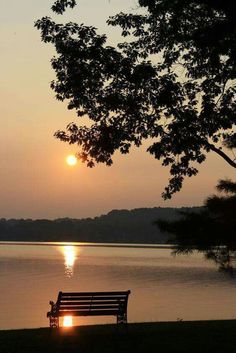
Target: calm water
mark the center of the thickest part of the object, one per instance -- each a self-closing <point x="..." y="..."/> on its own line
<point x="162" y="287"/>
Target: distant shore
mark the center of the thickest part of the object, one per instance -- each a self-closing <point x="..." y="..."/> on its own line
<point x="164" y="337"/>
<point x="136" y="226"/>
<point x="88" y="244"/>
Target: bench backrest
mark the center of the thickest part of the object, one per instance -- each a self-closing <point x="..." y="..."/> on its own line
<point x="92" y="303"/>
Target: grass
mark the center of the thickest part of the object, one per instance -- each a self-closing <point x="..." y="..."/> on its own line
<point x="164" y="337"/>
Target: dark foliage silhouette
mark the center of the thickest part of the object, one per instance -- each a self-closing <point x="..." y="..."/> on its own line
<point x="171" y="82"/>
<point x="60" y="6"/>
<point x="210" y="230"/>
<point x="118" y="226"/>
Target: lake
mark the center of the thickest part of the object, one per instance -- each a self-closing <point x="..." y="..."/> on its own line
<point x="163" y="287"/>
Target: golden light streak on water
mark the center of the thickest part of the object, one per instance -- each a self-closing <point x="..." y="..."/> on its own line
<point x="67" y="321"/>
<point x="70" y="253"/>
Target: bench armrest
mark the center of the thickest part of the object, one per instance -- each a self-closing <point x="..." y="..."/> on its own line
<point x="53" y="311"/>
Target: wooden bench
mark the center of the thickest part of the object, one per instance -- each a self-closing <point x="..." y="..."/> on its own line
<point x="89" y="304"/>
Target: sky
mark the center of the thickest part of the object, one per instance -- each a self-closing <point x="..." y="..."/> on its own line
<point x="36" y="181"/>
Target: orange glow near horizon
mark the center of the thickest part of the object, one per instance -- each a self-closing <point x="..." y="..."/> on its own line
<point x="67" y="321"/>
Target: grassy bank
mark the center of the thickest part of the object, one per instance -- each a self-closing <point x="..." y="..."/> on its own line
<point x="166" y="337"/>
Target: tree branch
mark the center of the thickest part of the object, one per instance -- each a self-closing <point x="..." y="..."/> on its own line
<point x="222" y="154"/>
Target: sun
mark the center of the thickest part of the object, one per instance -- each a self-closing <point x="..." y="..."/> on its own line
<point x="71" y="160"/>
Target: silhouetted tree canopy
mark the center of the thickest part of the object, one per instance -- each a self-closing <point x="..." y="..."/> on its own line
<point x="171" y="82"/>
<point x="211" y="230"/>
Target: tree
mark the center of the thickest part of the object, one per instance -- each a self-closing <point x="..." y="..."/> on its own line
<point x="211" y="231"/>
<point x="172" y="82"/>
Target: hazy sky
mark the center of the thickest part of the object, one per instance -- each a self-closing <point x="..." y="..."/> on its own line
<point x="35" y="180"/>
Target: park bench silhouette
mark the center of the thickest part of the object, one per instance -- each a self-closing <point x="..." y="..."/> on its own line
<point x="89" y="304"/>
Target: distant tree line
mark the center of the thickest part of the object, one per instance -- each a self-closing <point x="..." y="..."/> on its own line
<point x="120" y="226"/>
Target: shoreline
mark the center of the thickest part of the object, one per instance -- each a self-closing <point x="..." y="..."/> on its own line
<point x="90" y="244"/>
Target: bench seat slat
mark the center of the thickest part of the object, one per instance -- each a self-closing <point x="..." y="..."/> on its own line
<point x="72" y="294"/>
<point x="88" y="313"/>
<point x="88" y="307"/>
<point x="92" y="298"/>
<point x="102" y="302"/>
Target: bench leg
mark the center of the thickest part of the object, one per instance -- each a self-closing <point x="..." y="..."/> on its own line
<point x="122" y="318"/>
<point x="54" y="322"/>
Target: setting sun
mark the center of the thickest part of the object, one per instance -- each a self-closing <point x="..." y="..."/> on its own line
<point x="71" y="160"/>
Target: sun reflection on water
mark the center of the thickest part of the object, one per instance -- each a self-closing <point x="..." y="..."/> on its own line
<point x="67" y="321"/>
<point x="70" y="253"/>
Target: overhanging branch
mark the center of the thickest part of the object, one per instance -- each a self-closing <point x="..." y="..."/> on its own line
<point x="222" y="154"/>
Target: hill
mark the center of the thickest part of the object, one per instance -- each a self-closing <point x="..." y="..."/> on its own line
<point x="118" y="226"/>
